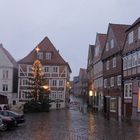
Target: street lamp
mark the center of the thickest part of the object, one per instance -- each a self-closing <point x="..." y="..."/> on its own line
<point x="90" y="95"/>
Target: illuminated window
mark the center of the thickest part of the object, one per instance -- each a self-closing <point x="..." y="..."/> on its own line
<point x="113" y="104"/>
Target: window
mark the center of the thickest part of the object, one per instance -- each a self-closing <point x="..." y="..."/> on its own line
<point x="61" y="83"/>
<point x="107" y="65"/>
<point x="105" y="83"/>
<point x="138" y="59"/>
<point x="130" y="37"/>
<point x="5" y="74"/>
<point x="40" y="55"/>
<point x="112" y="81"/>
<point x="47" y="69"/>
<point x="55" y="69"/>
<point x="4" y="87"/>
<point x="29" y="68"/>
<point x="125" y="60"/>
<point x="113" y="104"/>
<point x="24" y="82"/>
<point x="107" y="46"/>
<point x="128" y="90"/>
<point x="129" y="61"/>
<point x="112" y="43"/>
<point x="48" y="56"/>
<point x="119" y="79"/>
<point x="54" y="82"/>
<point x="114" y="62"/>
<point x="134" y="59"/>
<point x="139" y="33"/>
<point x="96" y="50"/>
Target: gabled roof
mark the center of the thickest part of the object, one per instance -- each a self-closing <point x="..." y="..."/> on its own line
<point x="45" y="46"/>
<point x="102" y="39"/>
<point x="9" y="56"/>
<point x="135" y="23"/>
<point x="119" y="32"/>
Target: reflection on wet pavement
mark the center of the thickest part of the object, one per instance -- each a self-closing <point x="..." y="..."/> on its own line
<point x="72" y="124"/>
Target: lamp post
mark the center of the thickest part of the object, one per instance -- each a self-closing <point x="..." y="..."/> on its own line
<point x="90" y="95"/>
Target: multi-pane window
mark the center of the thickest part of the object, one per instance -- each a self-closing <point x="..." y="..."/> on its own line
<point x="129" y="63"/>
<point x="105" y="83"/>
<point x="112" y="81"/>
<point x="134" y="59"/>
<point x="113" y="104"/>
<point x="114" y="62"/>
<point x="29" y="68"/>
<point x="55" y="69"/>
<point x="125" y="61"/>
<point x="25" y="82"/>
<point x="139" y="33"/>
<point x="107" y="46"/>
<point x="46" y="69"/>
<point x="40" y="55"/>
<point x="5" y="74"/>
<point x="54" y="82"/>
<point x="112" y="43"/>
<point x="107" y="65"/>
<point x="5" y="87"/>
<point x="48" y="55"/>
<point x="119" y="79"/>
<point x="61" y="82"/>
<point x="128" y="90"/>
<point x="130" y="37"/>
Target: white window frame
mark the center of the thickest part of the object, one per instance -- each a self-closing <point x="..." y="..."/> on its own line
<point x="113" y="100"/>
<point x="119" y="80"/>
<point x="134" y="59"/>
<point x="112" y="81"/>
<point x="55" y="69"/>
<point x="128" y="91"/>
<point x="48" y="55"/>
<point x="47" y="69"/>
<point x="129" y="61"/>
<point x="125" y="61"/>
<point x="5" y="74"/>
<point x="54" y="83"/>
<point x="105" y="83"/>
<point x="40" y="55"/>
<point x="61" y="82"/>
<point x="4" y="87"/>
<point x="107" y="65"/>
<point x="112" y="43"/>
<point x="107" y="46"/>
<point x="114" y="62"/>
<point x="131" y="37"/>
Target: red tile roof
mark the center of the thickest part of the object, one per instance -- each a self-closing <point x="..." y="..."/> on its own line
<point x="44" y="46"/>
<point x="10" y="57"/>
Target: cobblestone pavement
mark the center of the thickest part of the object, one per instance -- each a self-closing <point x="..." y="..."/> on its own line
<point x="71" y="124"/>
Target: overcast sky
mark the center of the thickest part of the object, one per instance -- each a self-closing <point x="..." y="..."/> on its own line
<point x="71" y="25"/>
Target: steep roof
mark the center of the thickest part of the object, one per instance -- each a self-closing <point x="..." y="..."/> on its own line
<point x="102" y="39"/>
<point x="44" y="46"/>
<point x="135" y="23"/>
<point x="9" y="56"/>
<point x="119" y="32"/>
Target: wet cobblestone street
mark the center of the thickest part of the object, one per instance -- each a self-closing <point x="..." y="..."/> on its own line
<point x="71" y="124"/>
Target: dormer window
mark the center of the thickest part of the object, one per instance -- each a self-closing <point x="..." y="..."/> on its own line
<point x="112" y="43"/>
<point x="130" y="37"/>
<point x="40" y="55"/>
<point x="107" y="46"/>
<point x="48" y="56"/>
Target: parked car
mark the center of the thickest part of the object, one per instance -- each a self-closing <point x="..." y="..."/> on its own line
<point x="1" y="124"/>
<point x="8" y="122"/>
<point x="4" y="107"/>
<point x="20" y="118"/>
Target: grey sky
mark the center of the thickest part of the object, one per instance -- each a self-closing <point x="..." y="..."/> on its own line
<point x="71" y="25"/>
